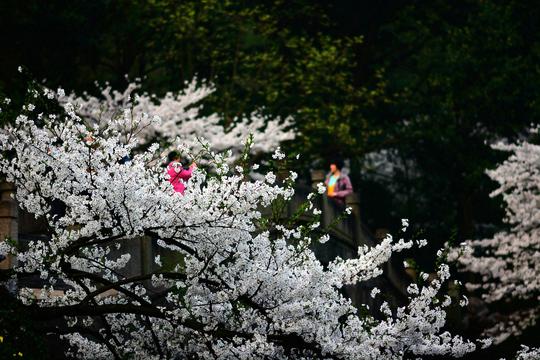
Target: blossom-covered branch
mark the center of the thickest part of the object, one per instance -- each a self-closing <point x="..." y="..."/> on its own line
<point x="238" y="290"/>
<point x="509" y="263"/>
<point x="177" y="117"/>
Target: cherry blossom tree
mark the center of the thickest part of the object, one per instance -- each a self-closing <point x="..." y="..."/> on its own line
<point x="526" y="353"/>
<point x="509" y="263"/>
<point x="177" y="117"/>
<point x="245" y="285"/>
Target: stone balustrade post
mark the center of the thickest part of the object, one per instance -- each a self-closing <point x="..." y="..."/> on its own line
<point x="317" y="176"/>
<point x="353" y="202"/>
<point x="9" y="216"/>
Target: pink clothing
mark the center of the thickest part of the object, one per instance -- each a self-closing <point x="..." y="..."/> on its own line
<point x="178" y="175"/>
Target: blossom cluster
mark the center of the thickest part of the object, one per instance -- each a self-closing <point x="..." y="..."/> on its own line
<point x="178" y="117"/>
<point x="527" y="353"/>
<point x="509" y="262"/>
<point x="242" y="288"/>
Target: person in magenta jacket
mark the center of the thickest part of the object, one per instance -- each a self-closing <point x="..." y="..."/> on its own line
<point x="178" y="175"/>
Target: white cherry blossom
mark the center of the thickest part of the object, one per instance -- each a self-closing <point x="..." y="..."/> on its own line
<point x="177" y="117"/>
<point x="244" y="286"/>
<point x="509" y="263"/>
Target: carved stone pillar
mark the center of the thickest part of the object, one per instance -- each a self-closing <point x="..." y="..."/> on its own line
<point x="353" y="202"/>
<point x="317" y="176"/>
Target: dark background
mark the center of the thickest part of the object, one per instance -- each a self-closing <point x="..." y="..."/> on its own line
<point x="432" y="82"/>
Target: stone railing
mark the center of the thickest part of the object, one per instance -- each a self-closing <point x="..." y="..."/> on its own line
<point x="346" y="237"/>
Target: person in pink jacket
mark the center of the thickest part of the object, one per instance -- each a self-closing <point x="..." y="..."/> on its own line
<point x="178" y="175"/>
